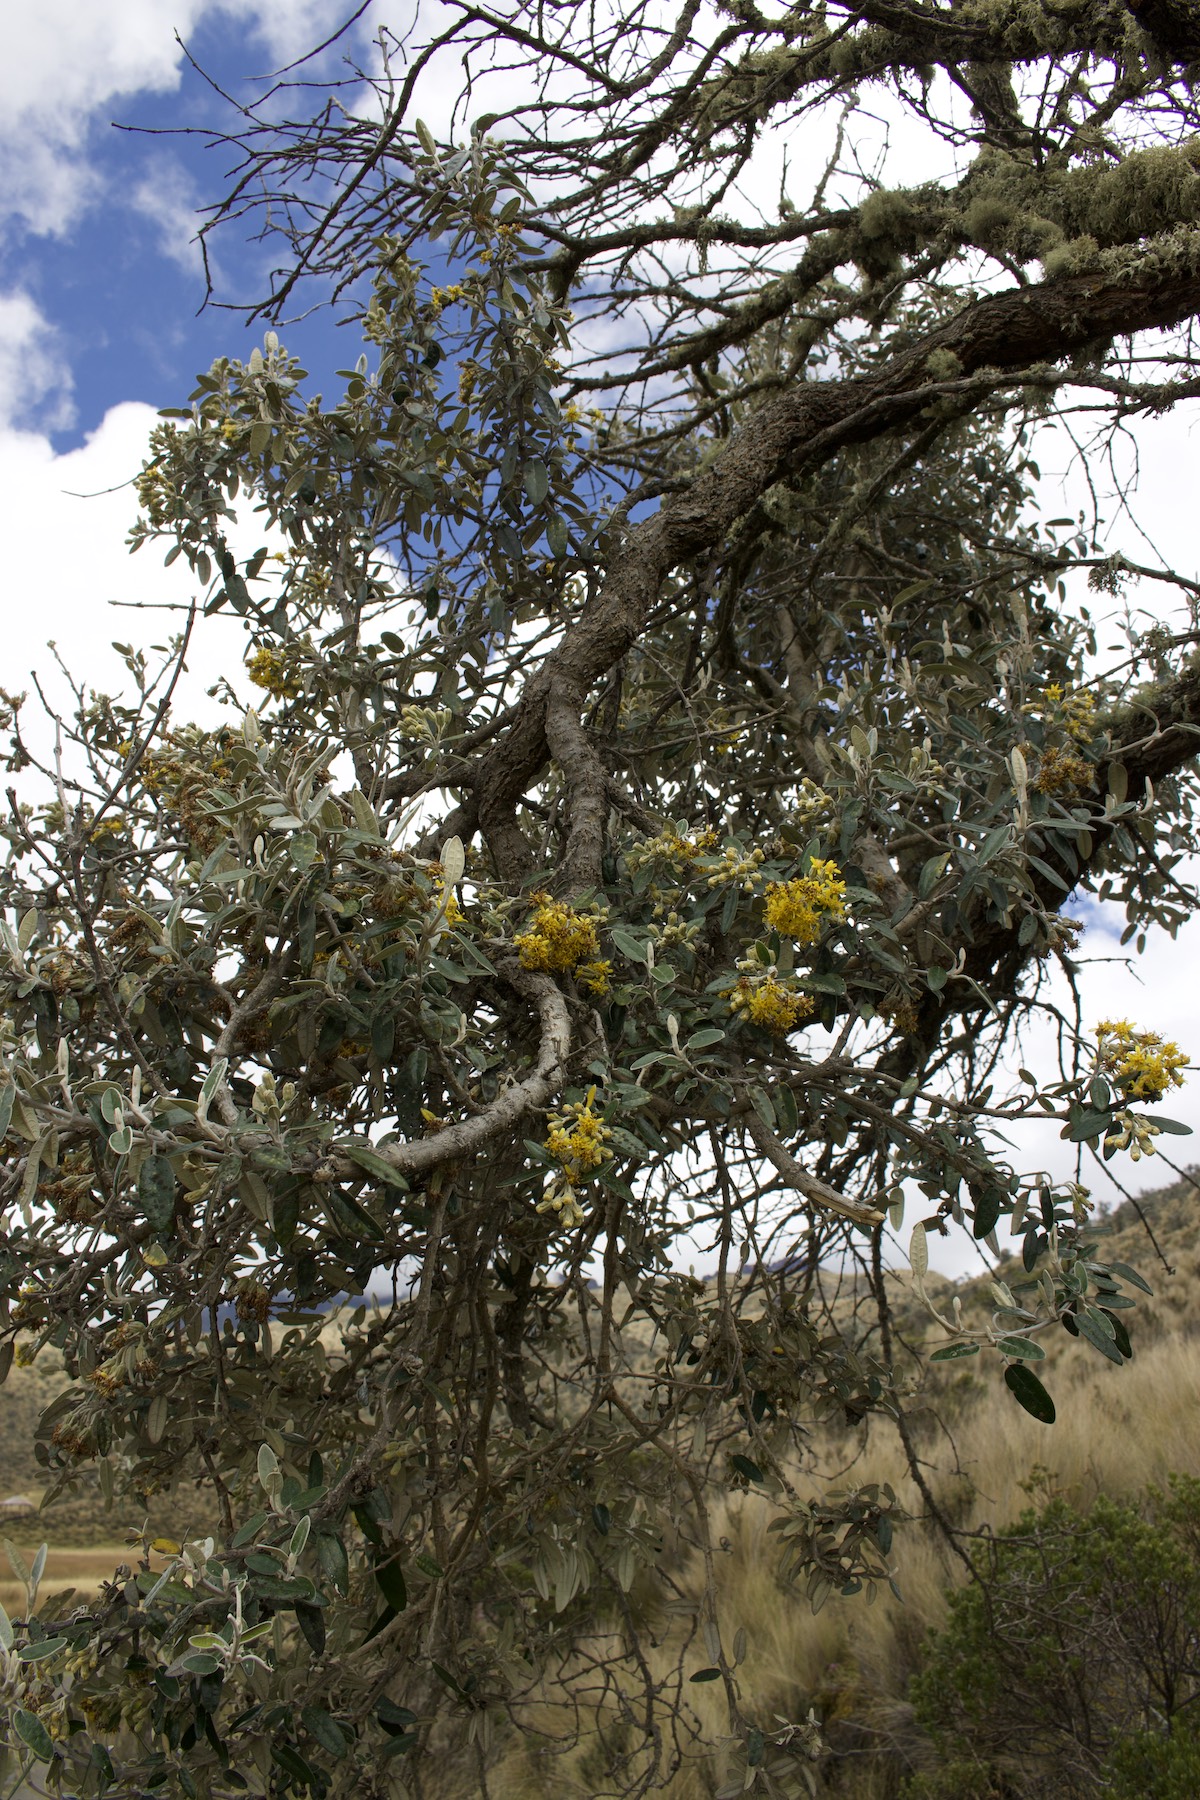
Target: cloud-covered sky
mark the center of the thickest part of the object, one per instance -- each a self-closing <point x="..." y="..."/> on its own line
<point x="98" y="267"/>
<point x="101" y="324"/>
<point x="101" y="292"/>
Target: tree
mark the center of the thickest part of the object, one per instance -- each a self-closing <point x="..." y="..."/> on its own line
<point x="678" y="743"/>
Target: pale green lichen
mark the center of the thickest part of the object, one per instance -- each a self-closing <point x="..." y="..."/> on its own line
<point x="943" y="365"/>
<point x="886" y="214"/>
<point x="1071" y="258"/>
<point x="1025" y="213"/>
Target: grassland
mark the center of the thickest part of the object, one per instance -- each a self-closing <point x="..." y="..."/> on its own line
<point x="1118" y="1430"/>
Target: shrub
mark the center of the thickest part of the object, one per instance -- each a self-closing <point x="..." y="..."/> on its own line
<point x="1069" y="1660"/>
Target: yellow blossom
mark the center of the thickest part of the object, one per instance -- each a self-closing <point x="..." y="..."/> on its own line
<point x="795" y="909"/>
<point x="1141" y="1063"/>
<point x="578" y="1139"/>
<point x="1072" y="708"/>
<point x="448" y="905"/>
<point x="558" y="938"/>
<point x="1061" y="771"/>
<point x="770" y="1003"/>
<point x="596" y="976"/>
<point x="269" y="669"/>
<point x="439" y="296"/>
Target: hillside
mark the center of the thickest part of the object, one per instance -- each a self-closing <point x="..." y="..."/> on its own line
<point x="1118" y="1430"/>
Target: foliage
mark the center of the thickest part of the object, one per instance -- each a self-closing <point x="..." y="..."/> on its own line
<point x="956" y="1780"/>
<point x="676" y="751"/>
<point x="1166" y="1767"/>
<point x="1076" y="1651"/>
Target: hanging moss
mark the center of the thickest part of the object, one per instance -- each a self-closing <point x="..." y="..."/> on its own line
<point x="1028" y="213"/>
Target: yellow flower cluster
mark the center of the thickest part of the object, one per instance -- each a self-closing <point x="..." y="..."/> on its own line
<point x="796" y="908"/>
<point x="1061" y="771"/>
<point x="447" y="904"/>
<point x="578" y="1138"/>
<point x="454" y="912"/>
<point x="559" y="938"/>
<point x="674" y="845"/>
<point x="596" y="976"/>
<point x="1075" y="710"/>
<point x="580" y="1142"/>
<point x="1141" y="1063"/>
<point x="468" y="376"/>
<point x="270" y="669"/>
<point x="177" y="776"/>
<point x="770" y="1003"/>
<point x="439" y="296"/>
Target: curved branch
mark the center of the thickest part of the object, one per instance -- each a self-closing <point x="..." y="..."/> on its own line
<point x="817" y="1193"/>
<point x="988" y="341"/>
<point x="508" y="1108"/>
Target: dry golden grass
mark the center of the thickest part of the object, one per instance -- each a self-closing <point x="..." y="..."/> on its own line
<point x="67" y="1566"/>
<point x="1118" y="1431"/>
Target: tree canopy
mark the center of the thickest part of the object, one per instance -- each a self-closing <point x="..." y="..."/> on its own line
<point x="678" y="741"/>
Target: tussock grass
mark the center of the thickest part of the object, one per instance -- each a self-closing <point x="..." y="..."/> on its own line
<point x="1118" y="1431"/>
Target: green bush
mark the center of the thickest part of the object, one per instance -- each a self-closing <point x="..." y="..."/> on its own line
<point x="956" y="1780"/>
<point x="1153" y="1766"/>
<point x="1065" y="1665"/>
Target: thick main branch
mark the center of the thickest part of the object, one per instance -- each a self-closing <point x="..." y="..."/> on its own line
<point x="797" y="431"/>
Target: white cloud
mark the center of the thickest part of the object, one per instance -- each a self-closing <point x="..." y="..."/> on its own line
<point x="35" y="381"/>
<point x="292" y="29"/>
<point x="66" y="562"/>
<point x="59" y="65"/>
<point x="63" y="67"/>
<point x="168" y="199"/>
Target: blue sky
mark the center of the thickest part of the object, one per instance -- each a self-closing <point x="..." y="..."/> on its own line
<point x="100" y="291"/>
<point x="97" y="240"/>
